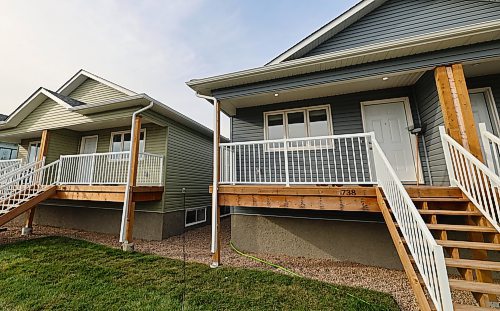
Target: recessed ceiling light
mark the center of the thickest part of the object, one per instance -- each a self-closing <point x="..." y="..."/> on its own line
<point x="276" y="95"/>
<point x="385" y="78"/>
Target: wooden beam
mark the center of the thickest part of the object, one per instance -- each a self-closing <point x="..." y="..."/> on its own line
<point x="26" y="206"/>
<point x="44" y="147"/>
<point x="324" y="203"/>
<point x="466" y="111"/>
<point x="403" y="255"/>
<point x="136" y="137"/>
<point x="447" y="103"/>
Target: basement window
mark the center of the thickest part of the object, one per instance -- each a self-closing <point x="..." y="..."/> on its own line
<point x="195" y="216"/>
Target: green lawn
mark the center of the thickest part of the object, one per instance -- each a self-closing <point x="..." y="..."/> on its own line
<point x="65" y="274"/>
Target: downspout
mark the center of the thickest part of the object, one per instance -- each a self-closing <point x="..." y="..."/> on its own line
<point x="215" y="181"/>
<point x="129" y="176"/>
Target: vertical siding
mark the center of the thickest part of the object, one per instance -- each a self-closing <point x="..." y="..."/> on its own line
<point x="398" y="19"/>
<point x="432" y="117"/>
<point x="91" y="92"/>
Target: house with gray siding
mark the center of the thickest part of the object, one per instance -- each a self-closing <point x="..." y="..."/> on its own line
<point x="372" y="140"/>
<point x="81" y="138"/>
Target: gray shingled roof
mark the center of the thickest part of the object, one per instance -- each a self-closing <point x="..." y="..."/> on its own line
<point x="70" y="101"/>
<point x="3" y="117"/>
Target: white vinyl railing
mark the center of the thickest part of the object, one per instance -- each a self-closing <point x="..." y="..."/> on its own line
<point x="491" y="148"/>
<point x="338" y="159"/>
<point x="478" y="182"/>
<point x="109" y="169"/>
<point x="428" y="255"/>
<point x="33" y="180"/>
<point x="7" y="166"/>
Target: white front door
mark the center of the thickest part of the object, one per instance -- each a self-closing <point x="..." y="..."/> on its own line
<point x="85" y="165"/>
<point x="389" y="121"/>
<point x="33" y="151"/>
<point x="89" y="145"/>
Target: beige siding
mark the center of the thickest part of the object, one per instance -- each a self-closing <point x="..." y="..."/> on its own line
<point x="91" y="92"/>
<point x="62" y="142"/>
<point x="51" y="115"/>
<point x="188" y="166"/>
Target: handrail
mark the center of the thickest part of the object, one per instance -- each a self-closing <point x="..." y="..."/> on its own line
<point x="20" y="171"/>
<point x="25" y="186"/>
<point x="478" y="182"/>
<point x="335" y="159"/>
<point x="109" y="168"/>
<point x="8" y="166"/>
<point x="428" y="255"/>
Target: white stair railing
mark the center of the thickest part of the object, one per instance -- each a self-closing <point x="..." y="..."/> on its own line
<point x="428" y="255"/>
<point x="478" y="182"/>
<point x="7" y="166"/>
<point x="330" y="160"/>
<point x="27" y="185"/>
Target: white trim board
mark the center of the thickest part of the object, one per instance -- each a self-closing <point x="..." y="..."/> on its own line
<point x="410" y="122"/>
<point x="82" y="75"/>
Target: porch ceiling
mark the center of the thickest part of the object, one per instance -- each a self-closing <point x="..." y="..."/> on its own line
<point x="344" y="87"/>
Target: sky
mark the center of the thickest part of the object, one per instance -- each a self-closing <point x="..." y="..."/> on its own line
<point x="148" y="46"/>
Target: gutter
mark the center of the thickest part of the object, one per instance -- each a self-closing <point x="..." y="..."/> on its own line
<point x="126" y="206"/>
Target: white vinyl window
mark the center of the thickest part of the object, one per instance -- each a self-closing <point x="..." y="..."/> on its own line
<point x="298" y="123"/>
<point x="120" y="141"/>
<point x="195" y="216"/>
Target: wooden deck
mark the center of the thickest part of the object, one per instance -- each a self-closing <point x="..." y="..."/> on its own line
<point x="326" y="198"/>
<point x="107" y="193"/>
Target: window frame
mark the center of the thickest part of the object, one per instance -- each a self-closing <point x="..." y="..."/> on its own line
<point x="222" y="215"/>
<point x="304" y="110"/>
<point x="35" y="142"/>
<point x="197" y="222"/>
<point x="122" y="133"/>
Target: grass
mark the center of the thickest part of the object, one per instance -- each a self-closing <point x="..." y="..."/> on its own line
<point x="58" y="273"/>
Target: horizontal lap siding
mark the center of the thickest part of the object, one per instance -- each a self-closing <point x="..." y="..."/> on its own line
<point x="397" y="19"/>
<point x="92" y="92"/>
<point x="51" y="115"/>
<point x="62" y="142"/>
<point x="248" y="124"/>
<point x="189" y="166"/>
<point x="432" y="117"/>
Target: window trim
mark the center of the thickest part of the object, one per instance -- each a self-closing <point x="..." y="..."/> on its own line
<point x="122" y="133"/>
<point x="90" y="136"/>
<point x="197" y="222"/>
<point x="225" y="215"/>
<point x="306" y="111"/>
<point x="35" y="142"/>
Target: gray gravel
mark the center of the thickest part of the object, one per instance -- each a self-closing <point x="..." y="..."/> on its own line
<point x="197" y="246"/>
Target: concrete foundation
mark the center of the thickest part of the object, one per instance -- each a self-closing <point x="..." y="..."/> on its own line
<point x="148" y="225"/>
<point x="362" y="242"/>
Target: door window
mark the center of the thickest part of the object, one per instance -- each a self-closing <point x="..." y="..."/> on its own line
<point x="33" y="151"/>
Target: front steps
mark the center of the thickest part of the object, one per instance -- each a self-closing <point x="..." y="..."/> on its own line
<point x="471" y="244"/>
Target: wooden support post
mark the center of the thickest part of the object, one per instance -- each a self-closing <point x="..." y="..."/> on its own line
<point x="216" y="245"/>
<point x="136" y="138"/>
<point x="456" y="107"/>
<point x="470" y="128"/>
<point x="30" y="215"/>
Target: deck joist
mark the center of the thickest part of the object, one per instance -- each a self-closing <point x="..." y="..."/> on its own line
<point x="326" y="198"/>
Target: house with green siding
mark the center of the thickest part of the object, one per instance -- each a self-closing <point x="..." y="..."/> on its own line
<point x="84" y="129"/>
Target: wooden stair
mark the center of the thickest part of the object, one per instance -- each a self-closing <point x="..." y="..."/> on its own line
<point x="469" y="241"/>
<point x="24" y="203"/>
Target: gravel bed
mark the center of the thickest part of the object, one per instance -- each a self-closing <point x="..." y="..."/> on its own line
<point x="197" y="249"/>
